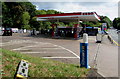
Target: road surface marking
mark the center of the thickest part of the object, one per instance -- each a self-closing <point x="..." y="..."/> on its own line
<point x="21" y="48"/>
<point x="114" y="41"/>
<point x="42" y="52"/>
<point x="69" y="51"/>
<point x="50" y="48"/>
<point x="60" y="57"/>
<point x="12" y="42"/>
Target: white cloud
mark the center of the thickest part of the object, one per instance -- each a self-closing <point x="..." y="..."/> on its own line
<point x="74" y="0"/>
<point x="119" y="9"/>
<point x="107" y="9"/>
<point x="37" y="7"/>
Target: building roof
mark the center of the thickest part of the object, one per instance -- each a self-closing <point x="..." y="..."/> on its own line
<point x="69" y="17"/>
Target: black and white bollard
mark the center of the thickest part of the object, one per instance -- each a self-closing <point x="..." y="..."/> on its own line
<point x="84" y="52"/>
<point x="22" y="70"/>
<point x="99" y="38"/>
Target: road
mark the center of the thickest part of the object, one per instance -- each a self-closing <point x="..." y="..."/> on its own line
<point x="107" y="59"/>
<point x="65" y="50"/>
<point x="114" y="35"/>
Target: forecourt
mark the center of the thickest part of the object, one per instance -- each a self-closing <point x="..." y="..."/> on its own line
<point x="69" y="17"/>
<point x="107" y="55"/>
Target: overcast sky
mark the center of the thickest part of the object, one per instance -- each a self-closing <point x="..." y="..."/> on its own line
<point x="107" y="8"/>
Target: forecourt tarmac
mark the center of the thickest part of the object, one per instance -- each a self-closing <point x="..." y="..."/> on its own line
<point x="103" y="56"/>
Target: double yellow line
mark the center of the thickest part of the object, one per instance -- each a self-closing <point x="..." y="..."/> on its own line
<point x="114" y="41"/>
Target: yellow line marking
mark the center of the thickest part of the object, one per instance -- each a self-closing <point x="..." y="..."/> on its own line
<point x="19" y="76"/>
<point x="114" y="41"/>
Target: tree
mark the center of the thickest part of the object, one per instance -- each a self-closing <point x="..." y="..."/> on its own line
<point x="29" y="7"/>
<point x="105" y="19"/>
<point x="25" y="20"/>
<point x="44" y="25"/>
<point x="34" y="23"/>
<point x="39" y="12"/>
<point x="13" y="11"/>
<point x="47" y="25"/>
<point x="116" y="23"/>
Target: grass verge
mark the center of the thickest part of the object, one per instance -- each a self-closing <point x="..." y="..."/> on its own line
<point x="39" y="67"/>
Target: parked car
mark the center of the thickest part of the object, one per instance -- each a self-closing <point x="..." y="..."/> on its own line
<point x="7" y="32"/>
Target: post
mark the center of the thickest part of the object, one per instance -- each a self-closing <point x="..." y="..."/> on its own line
<point x="53" y="34"/>
<point x="84" y="52"/>
<point x="75" y="31"/>
<point x="22" y="70"/>
<point x="98" y="38"/>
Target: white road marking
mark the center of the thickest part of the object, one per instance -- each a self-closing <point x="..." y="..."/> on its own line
<point x="21" y="48"/>
<point x="24" y="48"/>
<point x="41" y="52"/>
<point x="69" y="51"/>
<point x="12" y="42"/>
<point x="33" y="52"/>
<point x="50" y="48"/>
<point x="60" y="57"/>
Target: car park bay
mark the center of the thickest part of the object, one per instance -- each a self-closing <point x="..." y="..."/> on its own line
<point x="64" y="50"/>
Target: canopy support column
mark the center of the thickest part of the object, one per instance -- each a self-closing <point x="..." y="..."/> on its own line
<point x="76" y="34"/>
<point x="53" y="29"/>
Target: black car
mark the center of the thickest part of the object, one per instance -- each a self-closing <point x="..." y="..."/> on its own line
<point x="7" y="32"/>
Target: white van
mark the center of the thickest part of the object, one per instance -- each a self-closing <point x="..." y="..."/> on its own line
<point x="15" y="30"/>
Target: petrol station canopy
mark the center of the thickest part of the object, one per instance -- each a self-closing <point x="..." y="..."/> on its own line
<point x="69" y="17"/>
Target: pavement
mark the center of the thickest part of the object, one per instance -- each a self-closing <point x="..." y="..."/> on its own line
<point x="102" y="56"/>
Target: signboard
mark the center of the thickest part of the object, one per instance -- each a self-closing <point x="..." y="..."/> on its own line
<point x="104" y="26"/>
<point x="84" y="55"/>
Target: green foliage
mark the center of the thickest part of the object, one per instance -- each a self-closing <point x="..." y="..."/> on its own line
<point x="29" y="7"/>
<point x="52" y="12"/>
<point x="23" y="15"/>
<point x="12" y="13"/>
<point x="39" y="67"/>
<point x="116" y="23"/>
<point x="47" y="25"/>
<point x="34" y="23"/>
<point x="71" y="24"/>
<point x="105" y="19"/>
<point x="92" y="24"/>
<point x="25" y="20"/>
<point x="59" y="24"/>
<point x="44" y="25"/>
<point x="39" y="12"/>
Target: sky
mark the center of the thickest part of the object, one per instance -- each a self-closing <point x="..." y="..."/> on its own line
<point x="104" y="8"/>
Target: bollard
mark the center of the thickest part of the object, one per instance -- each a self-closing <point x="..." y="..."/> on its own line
<point x="84" y="52"/>
<point x="22" y="70"/>
<point x="98" y="38"/>
<point x="85" y="38"/>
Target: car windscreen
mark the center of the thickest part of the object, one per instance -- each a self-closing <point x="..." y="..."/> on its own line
<point x="8" y="28"/>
